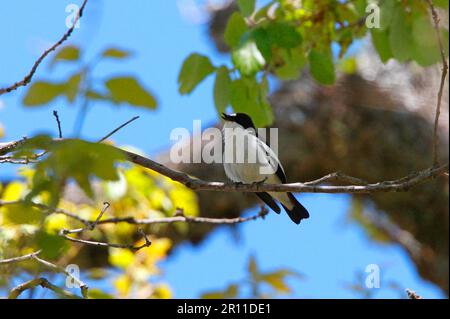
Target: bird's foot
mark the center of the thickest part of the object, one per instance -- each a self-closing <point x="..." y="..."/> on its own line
<point x="259" y="183"/>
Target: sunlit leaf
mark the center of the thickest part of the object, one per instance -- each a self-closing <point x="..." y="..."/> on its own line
<point x="246" y="6"/>
<point x="67" y="53"/>
<point x="41" y="92"/>
<point x="115" y="53"/>
<point x="222" y="89"/>
<point x="195" y="69"/>
<point x="72" y="86"/>
<point x="121" y="258"/>
<point x="73" y="159"/>
<point x="20" y="214"/>
<point x="235" y="29"/>
<point x="128" y="90"/>
<point x="247" y="58"/>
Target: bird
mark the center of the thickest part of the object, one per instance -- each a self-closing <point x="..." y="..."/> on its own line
<point x="240" y="169"/>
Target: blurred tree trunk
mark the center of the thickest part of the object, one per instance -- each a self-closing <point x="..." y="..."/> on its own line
<point x="374" y="130"/>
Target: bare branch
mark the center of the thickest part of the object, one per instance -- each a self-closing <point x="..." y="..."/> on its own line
<point x="441" y="85"/>
<point x="120" y="127"/>
<point x="55" y="114"/>
<point x="49" y="265"/>
<point x="28" y="77"/>
<point x="20" y="258"/>
<point x="44" y="283"/>
<point x="401" y="184"/>
<point x="83" y="287"/>
<point x="412" y="294"/>
<point x="102" y="244"/>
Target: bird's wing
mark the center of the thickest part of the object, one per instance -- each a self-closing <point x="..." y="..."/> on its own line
<point x="274" y="162"/>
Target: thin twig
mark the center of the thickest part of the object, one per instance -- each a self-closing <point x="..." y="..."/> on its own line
<point x="55" y="114"/>
<point x="44" y="283"/>
<point x="56" y="268"/>
<point x="115" y="130"/>
<point x="20" y="258"/>
<point x="29" y="76"/>
<point x="441" y="85"/>
<point x="103" y="244"/>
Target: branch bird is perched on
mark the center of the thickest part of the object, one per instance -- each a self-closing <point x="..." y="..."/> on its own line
<point x="240" y="142"/>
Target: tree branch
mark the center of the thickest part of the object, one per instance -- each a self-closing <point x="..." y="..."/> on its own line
<point x="34" y="255"/>
<point x="28" y="77"/>
<point x="397" y="185"/>
<point x="401" y="184"/>
<point x="44" y="283"/>
<point x="55" y="114"/>
<point x="436" y="21"/>
<point x="20" y="258"/>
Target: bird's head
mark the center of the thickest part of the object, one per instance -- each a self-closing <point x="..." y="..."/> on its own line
<point x="240" y="118"/>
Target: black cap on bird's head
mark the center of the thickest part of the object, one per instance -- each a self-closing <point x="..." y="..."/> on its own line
<point x="240" y="118"/>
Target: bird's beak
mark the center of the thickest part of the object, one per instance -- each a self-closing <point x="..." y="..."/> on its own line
<point x="226" y="117"/>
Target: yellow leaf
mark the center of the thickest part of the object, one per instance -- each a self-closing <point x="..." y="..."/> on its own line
<point x="162" y="291"/>
<point x="123" y="285"/>
<point x="13" y="191"/>
<point x="19" y="214"/>
<point x="121" y="258"/>
<point x="157" y="251"/>
<point x="54" y="223"/>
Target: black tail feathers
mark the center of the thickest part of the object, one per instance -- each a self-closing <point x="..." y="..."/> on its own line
<point x="298" y="212"/>
<point x="266" y="198"/>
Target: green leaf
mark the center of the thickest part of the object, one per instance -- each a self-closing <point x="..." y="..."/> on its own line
<point x="115" y="53"/>
<point x="67" y="53"/>
<point x="222" y="89"/>
<point x="230" y="292"/>
<point x="96" y="293"/>
<point x="253" y="268"/>
<point x="426" y="47"/>
<point x="381" y="43"/>
<point x="293" y="62"/>
<point x="72" y="86"/>
<point x="52" y="246"/>
<point x="246" y="6"/>
<point x="247" y="58"/>
<point x="322" y="67"/>
<point x="248" y="96"/>
<point x="129" y="90"/>
<point x="20" y="214"/>
<point x="400" y="35"/>
<point x="235" y="29"/>
<point x="195" y="69"/>
<point x="283" y="35"/>
<point x="73" y="159"/>
<point x="95" y="95"/>
<point x="441" y="3"/>
<point x="41" y="92"/>
<point x="387" y="9"/>
<point x="276" y="280"/>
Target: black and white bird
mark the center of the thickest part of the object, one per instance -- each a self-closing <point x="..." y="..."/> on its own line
<point x="243" y="142"/>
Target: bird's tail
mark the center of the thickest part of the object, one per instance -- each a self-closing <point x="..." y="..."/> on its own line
<point x="297" y="212"/>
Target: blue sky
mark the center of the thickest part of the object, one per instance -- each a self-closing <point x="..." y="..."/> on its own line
<point x="326" y="249"/>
